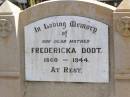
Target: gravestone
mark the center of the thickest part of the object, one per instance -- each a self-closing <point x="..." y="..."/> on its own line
<point x="122" y="49"/>
<point x="9" y="61"/>
<point x="66" y="49"/>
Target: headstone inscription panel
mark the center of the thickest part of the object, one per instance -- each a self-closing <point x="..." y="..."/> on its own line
<point x="67" y="48"/>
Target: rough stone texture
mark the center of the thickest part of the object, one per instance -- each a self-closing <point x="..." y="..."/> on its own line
<point x="124" y="6"/>
<point x="122" y="49"/>
<point x="12" y="83"/>
<point x="8" y="8"/>
<point x="122" y="88"/>
<point x="9" y="58"/>
<point x="90" y="9"/>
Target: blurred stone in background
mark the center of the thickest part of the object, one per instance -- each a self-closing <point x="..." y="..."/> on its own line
<point x="23" y="4"/>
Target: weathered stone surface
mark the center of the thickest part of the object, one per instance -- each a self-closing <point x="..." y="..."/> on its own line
<point x="9" y="57"/>
<point x="8" y="8"/>
<point x="121" y="49"/>
<point x="62" y="59"/>
<point x="90" y="9"/>
<point x="12" y="61"/>
<point x="124" y="6"/>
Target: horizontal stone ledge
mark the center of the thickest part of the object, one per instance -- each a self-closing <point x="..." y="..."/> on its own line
<point x="122" y="76"/>
<point x="9" y="74"/>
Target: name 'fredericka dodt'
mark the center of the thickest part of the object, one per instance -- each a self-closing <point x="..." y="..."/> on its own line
<point x="64" y="50"/>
